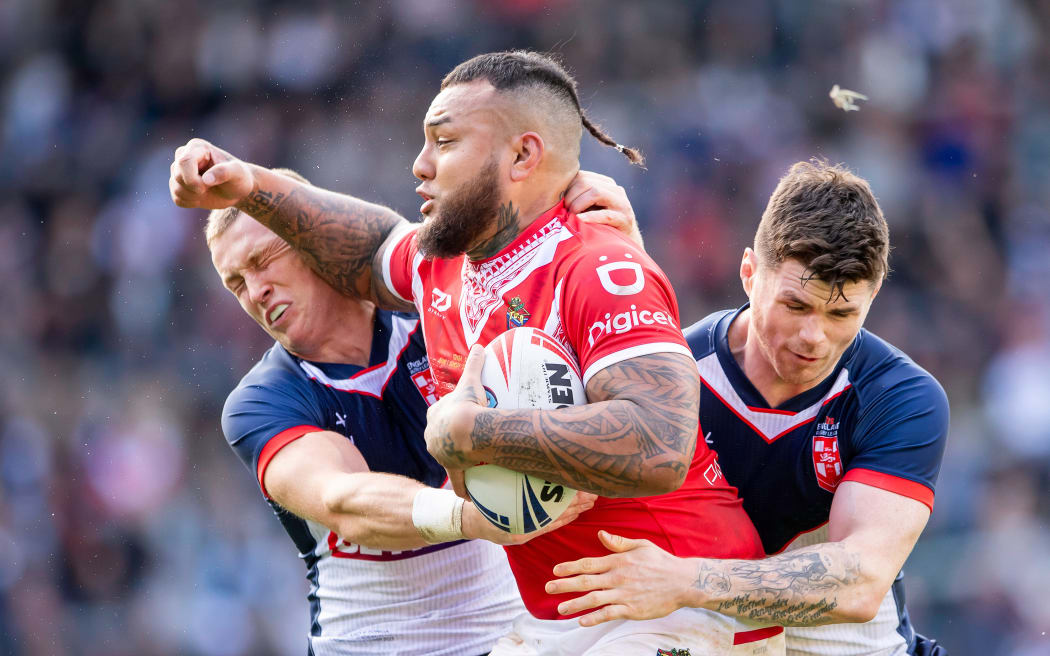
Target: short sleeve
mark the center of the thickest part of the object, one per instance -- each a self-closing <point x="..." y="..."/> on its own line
<point x="616" y="304"/>
<point x="260" y="419"/>
<point x="900" y="438"/>
<point x="400" y="262"/>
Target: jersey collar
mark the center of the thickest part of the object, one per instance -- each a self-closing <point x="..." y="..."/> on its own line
<point x="747" y="391"/>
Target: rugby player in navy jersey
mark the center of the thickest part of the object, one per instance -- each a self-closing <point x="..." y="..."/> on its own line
<point x="833" y="437"/>
<point x="331" y="423"/>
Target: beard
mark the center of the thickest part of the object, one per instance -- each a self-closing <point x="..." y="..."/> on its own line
<point x="462" y="216"/>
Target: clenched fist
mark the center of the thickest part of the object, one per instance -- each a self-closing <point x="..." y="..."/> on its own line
<point x="203" y="175"/>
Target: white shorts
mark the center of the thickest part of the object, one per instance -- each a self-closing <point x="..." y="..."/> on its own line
<point x="685" y="632"/>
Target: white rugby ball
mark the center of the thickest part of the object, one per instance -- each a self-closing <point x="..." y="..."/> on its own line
<point x="524" y="368"/>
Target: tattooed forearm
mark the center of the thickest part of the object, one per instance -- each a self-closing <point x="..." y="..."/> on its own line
<point x="507" y="229"/>
<point x="636" y="438"/>
<point x="338" y="235"/>
<point x="806" y="587"/>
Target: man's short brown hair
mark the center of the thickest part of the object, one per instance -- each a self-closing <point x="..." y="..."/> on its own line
<point x="826" y="217"/>
<point x="220" y="220"/>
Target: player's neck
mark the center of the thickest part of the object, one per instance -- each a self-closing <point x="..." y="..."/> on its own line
<point x="756" y="367"/>
<point x="348" y="335"/>
<point x="513" y="217"/>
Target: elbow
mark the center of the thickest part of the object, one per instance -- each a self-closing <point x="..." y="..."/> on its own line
<point x="662" y="478"/>
<point x="863" y="607"/>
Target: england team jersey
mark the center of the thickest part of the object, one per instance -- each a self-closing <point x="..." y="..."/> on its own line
<point x="605" y="301"/>
<point x="453" y="598"/>
<point x="878" y="419"/>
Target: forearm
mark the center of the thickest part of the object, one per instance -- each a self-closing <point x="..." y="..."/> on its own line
<point x="821" y="584"/>
<point x="339" y="235"/>
<point x="613" y="448"/>
<point x="372" y="509"/>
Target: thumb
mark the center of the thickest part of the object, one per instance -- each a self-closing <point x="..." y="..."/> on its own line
<point x="475" y="361"/>
<point x="617" y="543"/>
<point x="221" y="173"/>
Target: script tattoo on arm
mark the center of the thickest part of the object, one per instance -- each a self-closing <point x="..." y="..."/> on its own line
<point x="636" y="438"/>
<point x="797" y="588"/>
<point x="338" y="235"/>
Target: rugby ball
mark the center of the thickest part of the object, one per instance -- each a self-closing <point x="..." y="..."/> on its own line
<point x="524" y="368"/>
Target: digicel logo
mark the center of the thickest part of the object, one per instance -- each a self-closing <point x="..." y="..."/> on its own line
<point x="625" y="321"/>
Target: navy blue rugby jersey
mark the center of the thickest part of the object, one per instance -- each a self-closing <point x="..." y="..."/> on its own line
<point x="381" y="408"/>
<point x="878" y="419"/>
<point x="446" y="599"/>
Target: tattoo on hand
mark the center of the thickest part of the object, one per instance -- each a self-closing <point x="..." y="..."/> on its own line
<point x="604" y="448"/>
<point x="783" y="589"/>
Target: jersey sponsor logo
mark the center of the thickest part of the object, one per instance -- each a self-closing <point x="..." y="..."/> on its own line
<point x="340" y="548"/>
<point x="713" y="472"/>
<point x="439" y="300"/>
<point x="416" y="366"/>
<point x="623" y="322"/>
<point x="517" y="315"/>
<point x="827" y="461"/>
<point x="628" y="284"/>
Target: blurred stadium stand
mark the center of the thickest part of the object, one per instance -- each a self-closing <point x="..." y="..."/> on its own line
<point x="126" y="524"/>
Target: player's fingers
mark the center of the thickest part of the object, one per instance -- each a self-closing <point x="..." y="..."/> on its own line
<point x="189" y="164"/>
<point x="581" y="583"/>
<point x="221" y="173"/>
<point x="611" y="612"/>
<point x="455" y="478"/>
<point x="475" y="361"/>
<point x="618" y="543"/>
<point x="589" y="600"/>
<point x="606" y="217"/>
<point x="582" y="566"/>
<point x="584" y="200"/>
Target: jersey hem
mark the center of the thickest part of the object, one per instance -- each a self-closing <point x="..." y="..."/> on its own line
<point x="891" y="483"/>
<point x="633" y="352"/>
<point x="275" y="444"/>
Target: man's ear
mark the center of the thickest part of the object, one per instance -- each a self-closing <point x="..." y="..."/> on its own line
<point x="528" y="152"/>
<point x="748" y="270"/>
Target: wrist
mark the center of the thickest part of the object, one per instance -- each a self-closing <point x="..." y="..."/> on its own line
<point x="437" y="515"/>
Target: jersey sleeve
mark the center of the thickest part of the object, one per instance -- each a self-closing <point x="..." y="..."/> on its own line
<point x="616" y="304"/>
<point x="400" y="262"/>
<point x="261" y="419"/>
<point x="900" y="439"/>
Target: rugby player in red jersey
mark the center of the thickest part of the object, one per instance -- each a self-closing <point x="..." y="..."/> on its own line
<point x="498" y="248"/>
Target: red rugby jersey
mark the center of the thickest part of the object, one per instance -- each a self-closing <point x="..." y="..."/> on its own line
<point x="606" y="301"/>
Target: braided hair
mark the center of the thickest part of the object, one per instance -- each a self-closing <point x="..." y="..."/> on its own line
<point x="514" y="69"/>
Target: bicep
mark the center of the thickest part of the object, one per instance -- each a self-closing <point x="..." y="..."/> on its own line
<point x="882" y="525"/>
<point x="298" y="475"/>
<point x="664" y="387"/>
<point x="383" y="293"/>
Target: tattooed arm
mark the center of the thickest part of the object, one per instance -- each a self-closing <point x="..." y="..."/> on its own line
<point x="340" y="237"/>
<point x="635" y="438"/>
<point x="871" y="533"/>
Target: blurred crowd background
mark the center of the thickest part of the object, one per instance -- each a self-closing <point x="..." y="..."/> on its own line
<point x="127" y="526"/>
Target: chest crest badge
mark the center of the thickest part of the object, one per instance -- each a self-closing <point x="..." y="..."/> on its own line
<point x="517" y="315"/>
<point x="827" y="461"/>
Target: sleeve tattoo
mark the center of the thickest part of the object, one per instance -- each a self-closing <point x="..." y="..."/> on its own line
<point x="338" y="235"/>
<point x="642" y="422"/>
<point x="797" y="588"/>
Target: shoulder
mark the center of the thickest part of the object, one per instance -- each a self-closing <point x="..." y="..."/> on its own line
<point x="880" y="371"/>
<point x="275" y="378"/>
<point x="702" y="336"/>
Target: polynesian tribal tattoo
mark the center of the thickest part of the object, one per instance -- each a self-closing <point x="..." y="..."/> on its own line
<point x="608" y="448"/>
<point x="339" y="235"/>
